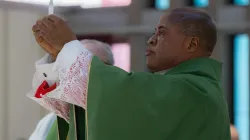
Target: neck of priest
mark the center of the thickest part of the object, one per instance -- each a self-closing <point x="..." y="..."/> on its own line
<point x="161" y="72"/>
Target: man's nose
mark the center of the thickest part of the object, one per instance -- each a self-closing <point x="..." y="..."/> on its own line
<point x="152" y="41"/>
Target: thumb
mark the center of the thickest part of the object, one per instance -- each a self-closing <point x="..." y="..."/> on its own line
<point x="38" y="37"/>
<point x="45" y="37"/>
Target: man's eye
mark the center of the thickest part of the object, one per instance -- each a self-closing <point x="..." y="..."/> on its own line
<point x="161" y="32"/>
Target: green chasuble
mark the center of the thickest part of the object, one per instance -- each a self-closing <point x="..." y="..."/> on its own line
<point x="75" y="130"/>
<point x="59" y="130"/>
<point x="187" y="103"/>
<point x="77" y="123"/>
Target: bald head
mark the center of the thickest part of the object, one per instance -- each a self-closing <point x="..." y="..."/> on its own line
<point x="195" y="23"/>
<point x="99" y="49"/>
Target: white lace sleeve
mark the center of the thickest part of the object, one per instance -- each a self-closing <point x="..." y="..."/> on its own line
<point x="44" y="73"/>
<point x="73" y="64"/>
<point x="60" y="108"/>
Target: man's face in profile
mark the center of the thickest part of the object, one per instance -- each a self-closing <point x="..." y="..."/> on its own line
<point x="165" y="45"/>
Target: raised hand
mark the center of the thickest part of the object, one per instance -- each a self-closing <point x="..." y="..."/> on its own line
<point x="43" y="43"/>
<point x="54" y="31"/>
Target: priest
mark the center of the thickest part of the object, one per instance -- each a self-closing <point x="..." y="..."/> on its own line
<point x="183" y="102"/>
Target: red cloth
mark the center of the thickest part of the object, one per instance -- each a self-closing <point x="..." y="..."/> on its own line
<point x="44" y="88"/>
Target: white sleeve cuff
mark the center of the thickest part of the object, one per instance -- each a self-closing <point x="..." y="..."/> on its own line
<point x="44" y="60"/>
<point x="44" y="70"/>
<point x="68" y="55"/>
<point x="73" y="65"/>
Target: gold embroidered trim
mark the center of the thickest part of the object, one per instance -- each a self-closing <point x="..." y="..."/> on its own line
<point x="86" y="111"/>
<point x="74" y="111"/>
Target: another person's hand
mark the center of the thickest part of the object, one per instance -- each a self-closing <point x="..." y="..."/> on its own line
<point x="234" y="133"/>
<point x="55" y="31"/>
<point x="53" y="52"/>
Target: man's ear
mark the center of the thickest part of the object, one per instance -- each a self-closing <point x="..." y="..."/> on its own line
<point x="193" y="44"/>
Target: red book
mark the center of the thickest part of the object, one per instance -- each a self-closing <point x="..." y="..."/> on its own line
<point x="44" y="88"/>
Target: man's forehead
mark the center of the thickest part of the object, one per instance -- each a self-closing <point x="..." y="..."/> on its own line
<point x="163" y="26"/>
<point x="169" y="19"/>
<point x="163" y="22"/>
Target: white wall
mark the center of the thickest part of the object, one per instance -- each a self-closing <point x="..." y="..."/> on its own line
<point x="1" y="74"/>
<point x="18" y="52"/>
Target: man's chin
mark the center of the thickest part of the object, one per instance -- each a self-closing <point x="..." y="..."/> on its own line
<point x="150" y="67"/>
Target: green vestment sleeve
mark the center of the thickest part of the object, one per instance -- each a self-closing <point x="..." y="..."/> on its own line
<point x="145" y="106"/>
